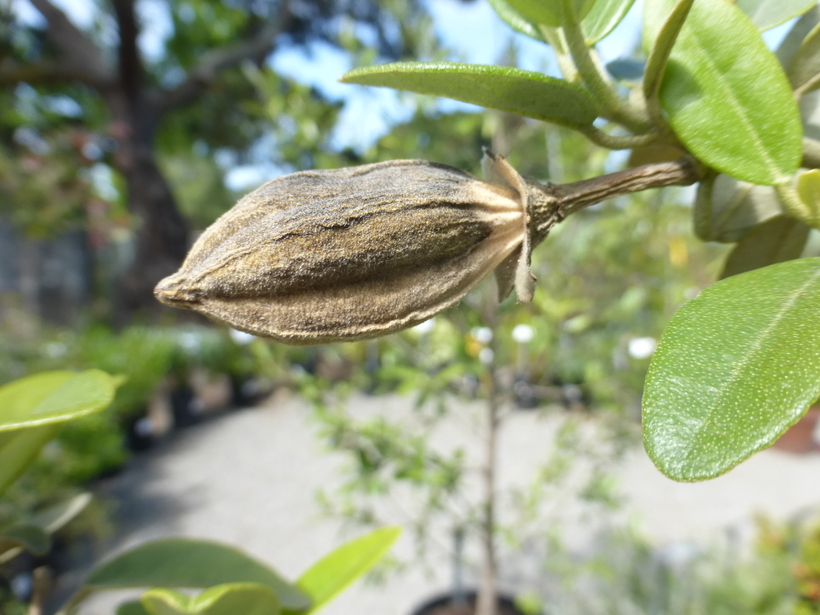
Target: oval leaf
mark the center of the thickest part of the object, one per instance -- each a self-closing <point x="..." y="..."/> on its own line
<point x="228" y="599"/>
<point x="735" y="368"/>
<point x="508" y="89"/>
<point x="767" y="14"/>
<point x="726" y="208"/>
<point x="340" y="568"/>
<point x="181" y="562"/>
<point x="791" y="43"/>
<point x="804" y="69"/>
<point x="132" y="608"/>
<point x="602" y="19"/>
<point x="549" y="12"/>
<point x="777" y="240"/>
<point x="711" y="94"/>
<point x="515" y="20"/>
<point x="54" y="397"/>
<point x="19" y="448"/>
<point x="25" y="536"/>
<point x="55" y="517"/>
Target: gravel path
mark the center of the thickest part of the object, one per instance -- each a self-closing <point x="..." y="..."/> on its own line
<point x="250" y="478"/>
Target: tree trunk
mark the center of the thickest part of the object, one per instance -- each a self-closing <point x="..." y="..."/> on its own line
<point x="161" y="239"/>
<point x="161" y="233"/>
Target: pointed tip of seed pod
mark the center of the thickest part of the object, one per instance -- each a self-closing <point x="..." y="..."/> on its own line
<point x="173" y="291"/>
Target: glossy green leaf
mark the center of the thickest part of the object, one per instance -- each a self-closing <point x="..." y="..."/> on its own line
<point x="228" y="599"/>
<point x="711" y="95"/>
<point x="24" y="536"/>
<point x="603" y="17"/>
<point x="767" y="14"/>
<point x="804" y="69"/>
<point x="48" y="520"/>
<point x="508" y="89"/>
<point x="735" y="368"/>
<point x="810" y="114"/>
<point x="19" y="448"/>
<point x="664" y="43"/>
<point x="331" y="574"/>
<point x="549" y="12"/>
<point x="515" y="20"/>
<point x="55" y="517"/>
<point x="54" y="397"/>
<point x="801" y="29"/>
<point x="181" y="562"/>
<point x="777" y="240"/>
<point x="726" y="208"/>
<point x="808" y="187"/>
<point x="132" y="608"/>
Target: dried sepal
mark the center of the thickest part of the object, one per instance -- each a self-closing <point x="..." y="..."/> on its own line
<point x="323" y="256"/>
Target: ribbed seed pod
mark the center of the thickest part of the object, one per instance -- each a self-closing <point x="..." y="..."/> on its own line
<point x="324" y="256"/>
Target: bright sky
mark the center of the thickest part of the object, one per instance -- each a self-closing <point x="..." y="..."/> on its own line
<point x="472" y="31"/>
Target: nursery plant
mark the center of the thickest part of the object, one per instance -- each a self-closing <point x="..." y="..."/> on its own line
<point x="33" y="410"/>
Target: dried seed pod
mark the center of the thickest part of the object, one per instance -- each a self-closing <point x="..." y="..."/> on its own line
<point x="324" y="256"/>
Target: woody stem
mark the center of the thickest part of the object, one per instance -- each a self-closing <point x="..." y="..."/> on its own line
<point x="551" y="204"/>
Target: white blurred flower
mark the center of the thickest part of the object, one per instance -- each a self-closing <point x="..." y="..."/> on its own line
<point x="482" y="334"/>
<point x="642" y="347"/>
<point x="425" y="327"/>
<point x="523" y="334"/>
<point x="240" y="337"/>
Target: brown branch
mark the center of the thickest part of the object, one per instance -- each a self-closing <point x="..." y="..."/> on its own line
<point x="12" y="73"/>
<point x="213" y="63"/>
<point x="550" y="204"/>
<point x="578" y="195"/>
<point x="80" y="57"/>
<point x="130" y="61"/>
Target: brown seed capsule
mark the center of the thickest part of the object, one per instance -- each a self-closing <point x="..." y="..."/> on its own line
<point x="324" y="256"/>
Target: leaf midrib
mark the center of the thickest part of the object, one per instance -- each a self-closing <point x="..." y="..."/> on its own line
<point x="727" y="390"/>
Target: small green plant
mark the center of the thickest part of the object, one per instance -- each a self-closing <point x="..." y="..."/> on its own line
<point x="35" y="408"/>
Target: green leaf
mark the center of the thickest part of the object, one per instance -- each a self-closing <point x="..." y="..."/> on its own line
<point x="18" y="449"/>
<point x="767" y="14"/>
<point x="726" y="208"/>
<point x="549" y="12"/>
<point x="711" y="95"/>
<point x="777" y="240"/>
<point x="515" y="20"/>
<point x="55" y="517"/>
<point x="602" y="19"/>
<point x="804" y="69"/>
<point x="29" y="537"/>
<point x="735" y="368"/>
<point x="810" y="114"/>
<point x="46" y="521"/>
<point x="662" y="49"/>
<point x="808" y="187"/>
<point x="791" y="43"/>
<point x="338" y="569"/>
<point x="508" y="89"/>
<point x="228" y="599"/>
<point x="132" y="608"/>
<point x="181" y="562"/>
<point x="54" y="397"/>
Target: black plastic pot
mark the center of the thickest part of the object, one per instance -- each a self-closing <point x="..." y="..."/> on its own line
<point x="446" y="605"/>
